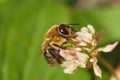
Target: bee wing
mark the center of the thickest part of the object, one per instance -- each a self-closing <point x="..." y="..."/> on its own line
<point x="42" y="49"/>
<point x="38" y="55"/>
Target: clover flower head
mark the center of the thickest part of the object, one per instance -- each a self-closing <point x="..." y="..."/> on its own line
<point x="81" y="50"/>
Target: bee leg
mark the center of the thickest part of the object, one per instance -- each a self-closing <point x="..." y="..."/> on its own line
<point x="60" y="47"/>
<point x="55" y="46"/>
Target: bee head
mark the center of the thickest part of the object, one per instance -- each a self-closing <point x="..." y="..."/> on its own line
<point x="65" y="30"/>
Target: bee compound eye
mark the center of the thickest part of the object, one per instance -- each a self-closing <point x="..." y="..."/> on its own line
<point x="63" y="29"/>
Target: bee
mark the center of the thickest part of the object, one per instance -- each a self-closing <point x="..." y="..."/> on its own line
<point x="55" y="38"/>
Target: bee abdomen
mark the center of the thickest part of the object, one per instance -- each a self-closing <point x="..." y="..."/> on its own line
<point x="50" y="60"/>
<point x="52" y="57"/>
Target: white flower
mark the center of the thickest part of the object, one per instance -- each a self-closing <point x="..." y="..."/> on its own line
<point x="91" y="29"/>
<point x="74" y="59"/>
<point x="86" y="34"/>
<point x="70" y="66"/>
<point x="66" y="54"/>
<point x="82" y="58"/>
<point x="83" y="51"/>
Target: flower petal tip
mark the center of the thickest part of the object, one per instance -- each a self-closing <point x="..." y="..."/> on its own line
<point x="109" y="47"/>
<point x="97" y="70"/>
<point x="90" y="27"/>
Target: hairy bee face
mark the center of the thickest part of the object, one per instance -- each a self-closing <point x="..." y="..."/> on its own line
<point x="54" y="39"/>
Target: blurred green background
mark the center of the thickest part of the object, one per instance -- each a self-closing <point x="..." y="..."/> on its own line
<point x="23" y="24"/>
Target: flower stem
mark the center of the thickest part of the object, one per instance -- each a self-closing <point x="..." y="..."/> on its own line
<point x="108" y="66"/>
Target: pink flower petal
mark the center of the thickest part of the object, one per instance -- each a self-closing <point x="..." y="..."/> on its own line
<point x="66" y="54"/>
<point x="82" y="58"/>
<point x="94" y="42"/>
<point x="82" y="44"/>
<point x="109" y="47"/>
<point x="77" y="49"/>
<point x="97" y="70"/>
<point x="84" y="29"/>
<point x="63" y="53"/>
<point x="68" y="71"/>
<point x="99" y="36"/>
<point x="93" y="60"/>
<point x="70" y="66"/>
<point x="85" y="36"/>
